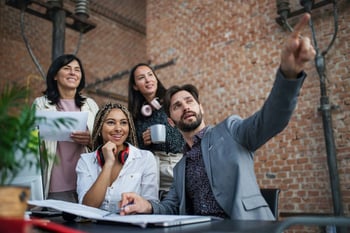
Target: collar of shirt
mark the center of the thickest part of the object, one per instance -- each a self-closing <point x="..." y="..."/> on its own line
<point x="197" y="138"/>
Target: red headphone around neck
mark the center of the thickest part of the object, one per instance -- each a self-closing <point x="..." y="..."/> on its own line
<point x="122" y="155"/>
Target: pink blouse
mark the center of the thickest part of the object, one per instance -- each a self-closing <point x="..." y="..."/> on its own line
<point x="63" y="175"/>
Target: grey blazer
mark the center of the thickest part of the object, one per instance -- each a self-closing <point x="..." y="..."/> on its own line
<point x="228" y="154"/>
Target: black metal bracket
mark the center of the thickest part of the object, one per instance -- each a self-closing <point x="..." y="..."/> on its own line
<point x="292" y="14"/>
<point x="328" y="107"/>
<point x="43" y="9"/>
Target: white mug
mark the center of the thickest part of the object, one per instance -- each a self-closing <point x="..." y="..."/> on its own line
<point x="158" y="133"/>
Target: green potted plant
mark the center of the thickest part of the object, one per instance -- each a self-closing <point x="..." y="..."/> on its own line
<point x="19" y="146"/>
<point x="18" y="137"/>
<point x="17" y="124"/>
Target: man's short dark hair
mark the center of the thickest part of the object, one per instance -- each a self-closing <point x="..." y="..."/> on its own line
<point x="175" y="89"/>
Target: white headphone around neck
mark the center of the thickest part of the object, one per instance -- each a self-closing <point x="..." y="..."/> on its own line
<point x="146" y="109"/>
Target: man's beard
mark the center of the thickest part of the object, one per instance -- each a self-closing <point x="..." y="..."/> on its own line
<point x="191" y="126"/>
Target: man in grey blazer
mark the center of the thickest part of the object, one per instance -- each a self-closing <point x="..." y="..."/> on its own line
<point x="216" y="175"/>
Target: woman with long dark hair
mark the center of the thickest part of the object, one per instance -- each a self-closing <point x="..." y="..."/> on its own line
<point x="145" y="99"/>
<point x="64" y="82"/>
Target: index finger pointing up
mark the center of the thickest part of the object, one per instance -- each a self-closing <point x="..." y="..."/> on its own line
<point x="300" y="25"/>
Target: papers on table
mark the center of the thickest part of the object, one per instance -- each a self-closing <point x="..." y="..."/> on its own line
<point x="52" y="128"/>
<point x="142" y="220"/>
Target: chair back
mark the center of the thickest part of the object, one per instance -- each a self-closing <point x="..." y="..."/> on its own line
<point x="271" y="196"/>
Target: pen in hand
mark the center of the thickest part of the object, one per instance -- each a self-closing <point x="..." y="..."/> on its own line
<point x="123" y="207"/>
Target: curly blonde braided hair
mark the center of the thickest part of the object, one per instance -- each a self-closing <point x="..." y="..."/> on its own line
<point x="101" y="115"/>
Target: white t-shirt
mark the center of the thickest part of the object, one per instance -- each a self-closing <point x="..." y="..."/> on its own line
<point x="139" y="174"/>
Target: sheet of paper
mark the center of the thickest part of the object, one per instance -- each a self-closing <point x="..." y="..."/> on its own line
<point x="73" y="208"/>
<point x="141" y="220"/>
<point x="75" y="121"/>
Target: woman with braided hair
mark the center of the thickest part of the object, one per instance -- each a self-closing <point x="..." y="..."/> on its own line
<point x="116" y="165"/>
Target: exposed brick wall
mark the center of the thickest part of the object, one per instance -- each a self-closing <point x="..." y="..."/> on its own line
<point x="108" y="49"/>
<point x="230" y="50"/>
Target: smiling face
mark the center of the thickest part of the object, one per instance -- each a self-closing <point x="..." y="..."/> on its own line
<point x="115" y="127"/>
<point x="68" y="77"/>
<point x="145" y="82"/>
<point x="185" y="112"/>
